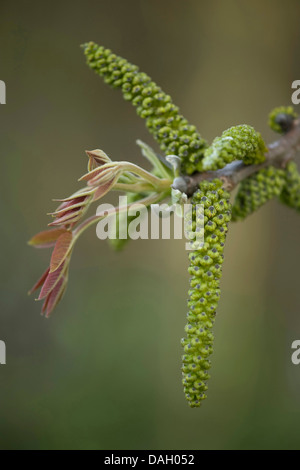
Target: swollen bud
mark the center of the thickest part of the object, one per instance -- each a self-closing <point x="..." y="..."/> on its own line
<point x="237" y="143"/>
<point x="281" y="119"/>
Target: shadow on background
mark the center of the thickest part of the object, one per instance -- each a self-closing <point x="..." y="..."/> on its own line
<point x="104" y="371"/>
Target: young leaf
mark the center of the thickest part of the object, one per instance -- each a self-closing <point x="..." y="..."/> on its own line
<point x="51" y="281"/>
<point x="104" y="189"/>
<point x="40" y="282"/>
<point x="55" y="296"/>
<point x="61" y="250"/>
<point x="96" y="158"/>
<point x="46" y="238"/>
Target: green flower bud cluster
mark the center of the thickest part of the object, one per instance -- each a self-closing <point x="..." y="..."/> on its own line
<point x="290" y="194"/>
<point x="205" y="269"/>
<point x="237" y="143"/>
<point x="281" y="119"/>
<point x="170" y="129"/>
<point x="256" y="190"/>
<point x="123" y="220"/>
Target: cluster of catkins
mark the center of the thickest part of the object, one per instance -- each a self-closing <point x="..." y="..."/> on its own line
<point x="268" y="182"/>
<point x="176" y="136"/>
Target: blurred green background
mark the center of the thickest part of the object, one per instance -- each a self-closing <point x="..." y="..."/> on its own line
<point x="104" y="371"/>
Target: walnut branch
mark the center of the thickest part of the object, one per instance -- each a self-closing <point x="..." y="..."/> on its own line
<point x="278" y="155"/>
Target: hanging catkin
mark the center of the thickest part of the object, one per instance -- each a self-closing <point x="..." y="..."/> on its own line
<point x="290" y="194"/>
<point x="256" y="190"/>
<point x="163" y="119"/>
<point x="205" y="269"/>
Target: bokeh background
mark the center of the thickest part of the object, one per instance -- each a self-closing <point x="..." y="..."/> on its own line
<point x="104" y="371"/>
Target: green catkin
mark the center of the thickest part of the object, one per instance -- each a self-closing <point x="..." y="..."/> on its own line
<point x="205" y="269"/>
<point x="256" y="190"/>
<point x="123" y="219"/>
<point x="163" y="120"/>
<point x="237" y="143"/>
<point x="281" y="118"/>
<point x="290" y="194"/>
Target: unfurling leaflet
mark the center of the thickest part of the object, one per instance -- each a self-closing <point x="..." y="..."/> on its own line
<point x="205" y="269"/>
<point x="163" y="119"/>
<point x="256" y="190"/>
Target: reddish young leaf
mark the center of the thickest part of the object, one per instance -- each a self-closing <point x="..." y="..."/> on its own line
<point x="40" y="282"/>
<point x="96" y="158"/>
<point x="104" y="189"/>
<point x="80" y="193"/>
<point x="91" y="175"/>
<point x="45" y="305"/>
<point x="46" y="238"/>
<point x="61" y="250"/>
<point x="70" y="203"/>
<point x="51" y="281"/>
<point x="54" y="296"/>
<point x="103" y="178"/>
<point x="68" y="218"/>
<point x="65" y="208"/>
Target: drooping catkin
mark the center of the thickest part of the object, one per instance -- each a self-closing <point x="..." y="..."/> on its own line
<point x="237" y="143"/>
<point x="163" y="119"/>
<point x="290" y="194"/>
<point x="256" y="190"/>
<point x="205" y="269"/>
